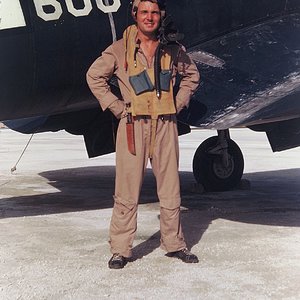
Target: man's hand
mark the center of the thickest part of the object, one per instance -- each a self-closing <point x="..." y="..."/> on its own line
<point x="117" y="108"/>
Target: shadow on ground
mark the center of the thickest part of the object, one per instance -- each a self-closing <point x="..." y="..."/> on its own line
<point x="273" y="199"/>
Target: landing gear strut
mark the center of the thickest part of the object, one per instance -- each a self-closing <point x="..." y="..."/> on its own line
<point x="218" y="163"/>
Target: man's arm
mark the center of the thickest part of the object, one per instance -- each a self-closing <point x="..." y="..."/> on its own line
<point x="98" y="77"/>
<point x="190" y="79"/>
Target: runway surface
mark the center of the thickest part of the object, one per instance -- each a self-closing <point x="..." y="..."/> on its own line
<point x="55" y="211"/>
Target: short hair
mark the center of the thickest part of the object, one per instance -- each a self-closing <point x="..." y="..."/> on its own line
<point x="160" y="3"/>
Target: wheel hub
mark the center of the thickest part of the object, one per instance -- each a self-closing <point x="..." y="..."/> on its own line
<point x="222" y="171"/>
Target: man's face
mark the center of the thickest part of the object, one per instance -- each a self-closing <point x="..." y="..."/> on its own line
<point x="148" y="17"/>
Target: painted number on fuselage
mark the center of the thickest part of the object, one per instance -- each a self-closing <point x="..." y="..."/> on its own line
<point x="57" y="11"/>
<point x="11" y="15"/>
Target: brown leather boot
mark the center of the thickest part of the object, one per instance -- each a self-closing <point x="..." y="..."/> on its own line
<point x="117" y="261"/>
<point x="185" y="255"/>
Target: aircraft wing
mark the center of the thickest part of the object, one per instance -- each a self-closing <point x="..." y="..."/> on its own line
<point x="250" y="76"/>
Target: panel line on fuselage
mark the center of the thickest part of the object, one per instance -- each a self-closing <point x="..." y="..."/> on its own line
<point x="112" y="23"/>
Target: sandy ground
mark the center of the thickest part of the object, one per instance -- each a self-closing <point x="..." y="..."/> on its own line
<point x="55" y="211"/>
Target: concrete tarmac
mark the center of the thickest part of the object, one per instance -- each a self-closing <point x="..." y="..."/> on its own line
<point x="55" y="211"/>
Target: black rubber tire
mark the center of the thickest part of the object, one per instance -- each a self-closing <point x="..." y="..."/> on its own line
<point x="209" y="171"/>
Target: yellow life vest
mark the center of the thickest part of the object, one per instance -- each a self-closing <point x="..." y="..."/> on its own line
<point x="147" y="103"/>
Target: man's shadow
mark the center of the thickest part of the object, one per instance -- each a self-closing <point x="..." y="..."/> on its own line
<point x="271" y="199"/>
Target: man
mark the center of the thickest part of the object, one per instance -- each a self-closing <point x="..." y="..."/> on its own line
<point x="147" y="128"/>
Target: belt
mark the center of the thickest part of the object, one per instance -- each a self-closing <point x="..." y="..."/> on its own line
<point x="167" y="117"/>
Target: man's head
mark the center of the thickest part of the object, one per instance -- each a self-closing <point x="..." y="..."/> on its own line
<point x="160" y="3"/>
<point x="148" y="15"/>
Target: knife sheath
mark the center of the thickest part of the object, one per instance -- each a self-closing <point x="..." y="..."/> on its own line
<point x="130" y="137"/>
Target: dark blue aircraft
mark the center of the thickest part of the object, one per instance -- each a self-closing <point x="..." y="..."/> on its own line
<point x="248" y="54"/>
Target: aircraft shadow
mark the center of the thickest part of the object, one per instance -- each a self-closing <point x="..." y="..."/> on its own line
<point x="273" y="199"/>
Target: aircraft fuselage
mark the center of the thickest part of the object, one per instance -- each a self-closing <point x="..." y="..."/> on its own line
<point x="48" y="45"/>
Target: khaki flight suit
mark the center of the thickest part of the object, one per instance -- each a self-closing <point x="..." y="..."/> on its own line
<point x="130" y="169"/>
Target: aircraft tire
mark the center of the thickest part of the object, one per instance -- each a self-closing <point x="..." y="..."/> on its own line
<point x="210" y="172"/>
